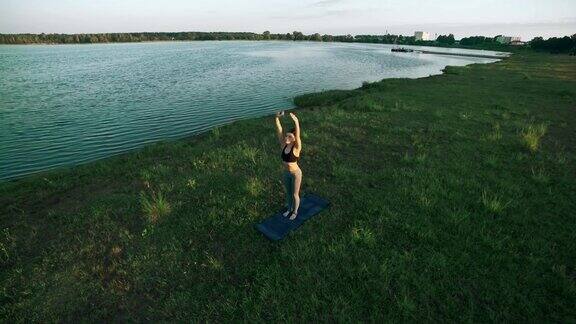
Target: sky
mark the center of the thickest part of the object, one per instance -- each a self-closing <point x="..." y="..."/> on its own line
<point x="525" y="18"/>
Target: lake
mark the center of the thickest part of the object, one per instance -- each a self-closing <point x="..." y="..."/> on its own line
<point x="68" y="104"/>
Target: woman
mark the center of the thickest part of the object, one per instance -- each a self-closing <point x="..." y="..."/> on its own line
<point x="291" y="147"/>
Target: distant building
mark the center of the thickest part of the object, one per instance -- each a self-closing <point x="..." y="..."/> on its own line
<point x="508" y="39"/>
<point x="424" y="36"/>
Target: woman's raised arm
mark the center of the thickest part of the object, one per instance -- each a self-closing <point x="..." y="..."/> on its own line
<point x="279" y="129"/>
<point x="296" y="130"/>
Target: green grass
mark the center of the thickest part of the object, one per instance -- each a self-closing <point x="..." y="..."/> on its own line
<point x="449" y="203"/>
<point x="532" y="136"/>
<point x="155" y="207"/>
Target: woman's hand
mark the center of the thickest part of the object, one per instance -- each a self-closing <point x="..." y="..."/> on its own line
<point x="297" y="131"/>
<point x="280" y="114"/>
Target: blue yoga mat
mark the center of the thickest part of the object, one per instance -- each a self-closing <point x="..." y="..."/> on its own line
<point x="276" y="227"/>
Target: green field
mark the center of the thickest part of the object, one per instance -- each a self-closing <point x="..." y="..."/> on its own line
<point x="453" y="199"/>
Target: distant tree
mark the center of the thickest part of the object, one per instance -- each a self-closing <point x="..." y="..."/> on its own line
<point x="297" y="36"/>
<point x="537" y="43"/>
<point x="327" y="38"/>
<point x="554" y="45"/>
<point x="348" y="38"/>
<point x="266" y="35"/>
<point x="448" y="40"/>
<point x="481" y="42"/>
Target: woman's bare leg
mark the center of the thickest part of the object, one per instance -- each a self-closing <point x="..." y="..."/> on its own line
<point x="289" y="187"/>
<point x="296" y="197"/>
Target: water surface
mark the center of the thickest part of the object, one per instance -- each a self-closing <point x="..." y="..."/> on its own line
<point x="68" y="104"/>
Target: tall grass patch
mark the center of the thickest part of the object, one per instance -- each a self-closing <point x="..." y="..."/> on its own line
<point x="493" y="203"/>
<point x="496" y="133"/>
<point x="155" y="206"/>
<point x="532" y="136"/>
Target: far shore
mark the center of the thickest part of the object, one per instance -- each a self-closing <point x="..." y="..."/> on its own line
<point x="455" y="46"/>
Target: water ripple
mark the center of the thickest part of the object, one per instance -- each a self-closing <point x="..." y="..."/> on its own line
<point x="70" y="104"/>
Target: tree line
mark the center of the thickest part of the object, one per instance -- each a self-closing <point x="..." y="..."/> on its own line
<point x="150" y="37"/>
<point x="193" y="36"/>
<point x="120" y="37"/>
<point x="554" y="45"/>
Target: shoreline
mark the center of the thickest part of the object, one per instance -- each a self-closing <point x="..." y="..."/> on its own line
<point x="64" y="168"/>
<point x="464" y="54"/>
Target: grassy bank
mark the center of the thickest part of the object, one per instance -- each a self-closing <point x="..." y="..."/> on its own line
<point x="453" y="199"/>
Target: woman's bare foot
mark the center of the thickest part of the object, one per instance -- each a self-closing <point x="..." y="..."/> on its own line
<point x="293" y="216"/>
<point x="287" y="212"/>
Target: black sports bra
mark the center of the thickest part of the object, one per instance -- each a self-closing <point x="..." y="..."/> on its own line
<point x="289" y="157"/>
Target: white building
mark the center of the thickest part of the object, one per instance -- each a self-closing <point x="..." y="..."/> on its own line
<point x="424" y="36"/>
<point x="508" y="39"/>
